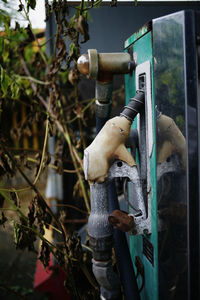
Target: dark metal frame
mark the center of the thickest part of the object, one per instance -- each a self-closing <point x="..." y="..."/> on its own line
<point x="193" y="152"/>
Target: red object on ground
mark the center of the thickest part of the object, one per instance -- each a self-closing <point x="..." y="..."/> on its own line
<point x="50" y="281"/>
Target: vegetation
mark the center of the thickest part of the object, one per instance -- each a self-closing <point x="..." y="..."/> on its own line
<point x="39" y="90"/>
<point x="39" y="98"/>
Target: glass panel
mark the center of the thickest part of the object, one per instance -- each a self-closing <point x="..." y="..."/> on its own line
<point x="171" y="155"/>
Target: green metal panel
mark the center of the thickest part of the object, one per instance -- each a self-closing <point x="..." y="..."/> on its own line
<point x="141" y="43"/>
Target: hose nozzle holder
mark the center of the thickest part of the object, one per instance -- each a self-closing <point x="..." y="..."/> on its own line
<point x="102" y="66"/>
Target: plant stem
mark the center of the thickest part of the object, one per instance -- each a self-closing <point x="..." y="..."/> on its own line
<point x="43" y="152"/>
<point x="32" y="84"/>
<point x="31" y="185"/>
<point x="73" y="153"/>
<point x="33" y="79"/>
<point x="13" y="205"/>
<point x="83" y="110"/>
<point x="71" y="206"/>
<point x="74" y="160"/>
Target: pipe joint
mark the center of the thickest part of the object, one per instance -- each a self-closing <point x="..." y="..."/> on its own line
<point x="102" y="66"/>
<point x="107" y="278"/>
<point x="93" y="63"/>
<point x="103" y="95"/>
<point x="103" y="92"/>
<point x="102" y="248"/>
<point x="102" y="110"/>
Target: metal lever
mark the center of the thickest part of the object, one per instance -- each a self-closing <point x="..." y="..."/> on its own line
<point x="121" y="220"/>
<point x="137" y="207"/>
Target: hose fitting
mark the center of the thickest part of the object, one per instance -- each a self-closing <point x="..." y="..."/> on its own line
<point x="107" y="279"/>
<point x="134" y="107"/>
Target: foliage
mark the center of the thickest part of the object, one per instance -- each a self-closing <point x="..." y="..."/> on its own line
<point x="39" y="89"/>
<point x="45" y="85"/>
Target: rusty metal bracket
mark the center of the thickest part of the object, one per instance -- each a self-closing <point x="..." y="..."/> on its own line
<point x="122" y="220"/>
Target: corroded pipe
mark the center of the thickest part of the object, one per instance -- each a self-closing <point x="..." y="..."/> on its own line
<point x="102" y="66"/>
<point x="98" y="158"/>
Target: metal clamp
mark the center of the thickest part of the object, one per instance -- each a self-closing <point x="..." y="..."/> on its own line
<point x="93" y="63"/>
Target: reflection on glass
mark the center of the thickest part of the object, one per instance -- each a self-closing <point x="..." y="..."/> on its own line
<point x="171" y="161"/>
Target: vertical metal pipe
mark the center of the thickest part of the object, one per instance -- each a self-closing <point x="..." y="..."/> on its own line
<point x="122" y="253"/>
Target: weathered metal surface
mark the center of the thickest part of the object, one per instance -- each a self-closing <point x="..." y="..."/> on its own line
<point x="137" y="206"/>
<point x="108" y="145"/>
<point x="102" y="66"/>
<point x="138" y="34"/>
<point x="114" y="63"/>
<point x="93" y="63"/>
<point x="141" y="43"/>
<point x="103" y="103"/>
<point x="107" y="279"/>
<point x="98" y="225"/>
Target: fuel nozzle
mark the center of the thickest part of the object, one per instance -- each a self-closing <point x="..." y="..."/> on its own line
<point x="109" y="144"/>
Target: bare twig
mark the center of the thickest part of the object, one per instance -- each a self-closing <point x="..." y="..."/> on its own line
<point x="32" y="84"/>
<point x="33" y="79"/>
<point x="43" y="152"/>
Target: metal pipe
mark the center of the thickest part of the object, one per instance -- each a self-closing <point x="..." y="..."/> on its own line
<point x="102" y="67"/>
<point x="98" y="224"/>
<point x="99" y="228"/>
<point x="107" y="278"/>
<point x="124" y="262"/>
<point x="100" y="232"/>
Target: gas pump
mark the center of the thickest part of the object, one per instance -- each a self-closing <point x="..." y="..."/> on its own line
<point x="161" y="66"/>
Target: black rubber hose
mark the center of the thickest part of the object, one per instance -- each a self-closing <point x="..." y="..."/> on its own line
<point x="124" y="262"/>
<point x="135" y="106"/>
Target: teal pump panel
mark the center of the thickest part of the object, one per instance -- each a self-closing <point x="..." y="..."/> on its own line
<point x="140" y="46"/>
<point x="165" y="254"/>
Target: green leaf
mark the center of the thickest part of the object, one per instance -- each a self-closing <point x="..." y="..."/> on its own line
<point x="97" y="4"/>
<point x="5" y="49"/>
<point x="29" y="92"/>
<point x="5" y="81"/>
<point x="31" y="4"/>
<point x="72" y="47"/>
<point x="14" y="90"/>
<point x="16" y="230"/>
<point x="1" y="46"/>
<point x="64" y="76"/>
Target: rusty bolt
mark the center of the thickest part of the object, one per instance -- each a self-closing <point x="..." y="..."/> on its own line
<point x="121" y="220"/>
